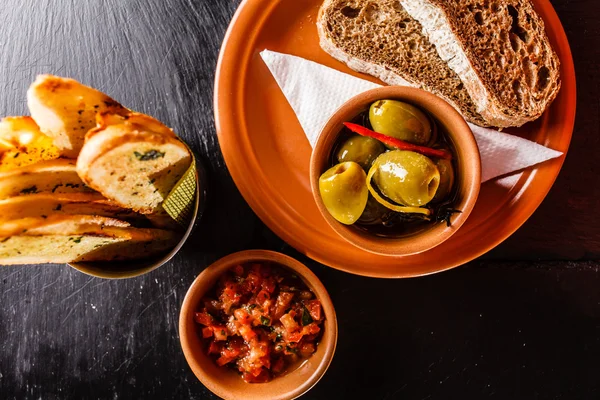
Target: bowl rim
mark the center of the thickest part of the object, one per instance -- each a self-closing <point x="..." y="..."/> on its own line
<point x="466" y="147"/>
<point x="208" y="278"/>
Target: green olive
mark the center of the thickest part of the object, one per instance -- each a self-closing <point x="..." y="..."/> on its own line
<point x="401" y="121"/>
<point x="360" y="149"/>
<point x="406" y="177"/>
<point x="446" y="179"/>
<point x="344" y="191"/>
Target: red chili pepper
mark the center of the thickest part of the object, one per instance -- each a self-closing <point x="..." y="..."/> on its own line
<point x="400" y="144"/>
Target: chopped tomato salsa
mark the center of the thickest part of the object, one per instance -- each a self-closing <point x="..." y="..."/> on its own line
<point x="260" y="319"/>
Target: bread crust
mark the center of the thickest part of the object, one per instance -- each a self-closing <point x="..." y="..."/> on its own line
<point x="511" y="73"/>
<point x="399" y="28"/>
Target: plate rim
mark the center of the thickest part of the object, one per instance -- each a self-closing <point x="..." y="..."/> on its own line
<point x="265" y="8"/>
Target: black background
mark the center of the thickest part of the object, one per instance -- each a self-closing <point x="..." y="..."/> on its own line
<point x="512" y="325"/>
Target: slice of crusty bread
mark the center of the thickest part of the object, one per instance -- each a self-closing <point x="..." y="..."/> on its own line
<point x="133" y="162"/>
<point x="43" y="205"/>
<point x="500" y="51"/>
<point x="129" y="244"/>
<point x="53" y="176"/>
<point x="379" y="37"/>
<point x="66" y="109"/>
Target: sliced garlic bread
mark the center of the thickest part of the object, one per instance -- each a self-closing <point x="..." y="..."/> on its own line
<point x="500" y="51"/>
<point x="133" y="161"/>
<point x="43" y="205"/>
<point x="379" y="37"/>
<point x="22" y="143"/>
<point x="62" y="225"/>
<point x="53" y="176"/>
<point x="66" y="110"/>
<point x="129" y="244"/>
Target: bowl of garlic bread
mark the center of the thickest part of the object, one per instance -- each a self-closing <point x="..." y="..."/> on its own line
<point x="84" y="181"/>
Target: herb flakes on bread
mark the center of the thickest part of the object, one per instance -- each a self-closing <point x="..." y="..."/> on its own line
<point x="43" y="205"/>
<point x="53" y="176"/>
<point x="79" y="238"/>
<point x="499" y="49"/>
<point x="133" y="160"/>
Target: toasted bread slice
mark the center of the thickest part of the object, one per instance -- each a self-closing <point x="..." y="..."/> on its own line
<point x="43" y="205"/>
<point x="128" y="244"/>
<point x="66" y="110"/>
<point x="62" y="225"/>
<point x="54" y="176"/>
<point x="379" y="37"/>
<point x="22" y="143"/>
<point x="133" y="162"/>
<point x="500" y="51"/>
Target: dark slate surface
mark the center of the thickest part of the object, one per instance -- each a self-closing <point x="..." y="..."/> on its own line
<point x="492" y="329"/>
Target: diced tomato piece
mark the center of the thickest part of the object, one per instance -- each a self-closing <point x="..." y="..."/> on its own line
<point x="247" y="333"/>
<point x="269" y="284"/>
<point x="262" y="296"/>
<point x="242" y="316"/>
<point x="288" y="321"/>
<point x="230" y="352"/>
<point x="220" y="332"/>
<point x="295" y="337"/>
<point x="256" y="372"/>
<point x="207" y="332"/>
<point x="237" y="343"/>
<point x="203" y="318"/>
<point x="258" y="349"/>
<point x="225" y="360"/>
<point x="215" y="348"/>
<point x="252" y="282"/>
<point x="306" y="349"/>
<point x="231" y="296"/>
<point x="314" y="309"/>
<point x="238" y="270"/>
<point x="311" y="329"/>
<point x="283" y="303"/>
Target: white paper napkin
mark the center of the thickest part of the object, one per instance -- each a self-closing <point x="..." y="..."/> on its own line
<point x="315" y="92"/>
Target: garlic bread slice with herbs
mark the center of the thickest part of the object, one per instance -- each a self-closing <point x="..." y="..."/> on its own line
<point x="134" y="161"/>
<point x="53" y="176"/>
<point x="43" y="205"/>
<point x="62" y="225"/>
<point x="128" y="244"/>
<point x="66" y="110"/>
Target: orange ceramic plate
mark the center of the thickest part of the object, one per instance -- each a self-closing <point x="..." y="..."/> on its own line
<point x="268" y="154"/>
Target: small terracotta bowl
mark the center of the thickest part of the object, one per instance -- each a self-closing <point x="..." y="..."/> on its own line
<point x="468" y="173"/>
<point x="225" y="382"/>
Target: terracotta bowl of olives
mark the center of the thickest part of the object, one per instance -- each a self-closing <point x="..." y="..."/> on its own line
<point x="396" y="171"/>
